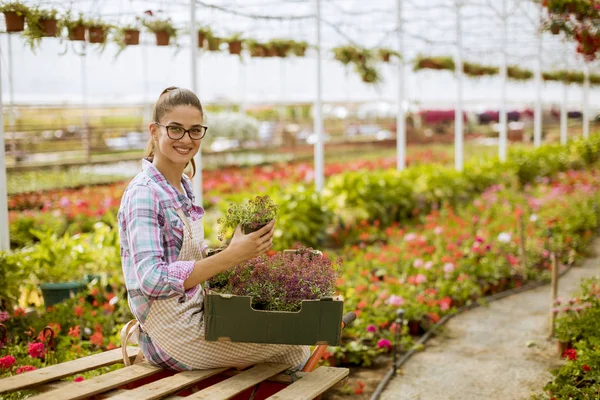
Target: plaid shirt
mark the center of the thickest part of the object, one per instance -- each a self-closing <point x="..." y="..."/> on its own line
<point x="151" y="238"/>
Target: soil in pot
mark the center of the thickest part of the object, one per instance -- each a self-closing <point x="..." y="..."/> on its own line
<point x="14" y="22"/>
<point x="48" y="26"/>
<point x="77" y="33"/>
<point x="132" y="37"/>
<point x="162" y="38"/>
<point x="247" y="229"/>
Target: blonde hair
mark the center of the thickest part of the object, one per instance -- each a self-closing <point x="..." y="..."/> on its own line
<point x="170" y="98"/>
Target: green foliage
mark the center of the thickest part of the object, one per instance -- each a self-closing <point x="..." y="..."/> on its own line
<point x="160" y="25"/>
<point x="14" y="272"/>
<point x="34" y="30"/>
<point x="16" y="7"/>
<point x="251" y="216"/>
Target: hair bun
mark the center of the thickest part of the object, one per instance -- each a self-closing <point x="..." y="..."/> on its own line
<point x="167" y="90"/>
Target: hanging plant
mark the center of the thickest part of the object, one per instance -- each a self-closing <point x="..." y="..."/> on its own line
<point x="348" y="54"/>
<point x="76" y="26"/>
<point x="278" y="48"/>
<point x="213" y="42"/>
<point x="473" y="69"/>
<point x="386" y="55"/>
<point x="594" y="79"/>
<point x="299" y="48"/>
<point x="127" y="35"/>
<point x="235" y="44"/>
<point x="203" y="33"/>
<point x="162" y="28"/>
<point x="437" y="63"/>
<point x="368" y="73"/>
<point x="40" y="23"/>
<point x="567" y="77"/>
<point x="14" y="15"/>
<point x="98" y="31"/>
<point x="518" y="74"/>
<point x="255" y="48"/>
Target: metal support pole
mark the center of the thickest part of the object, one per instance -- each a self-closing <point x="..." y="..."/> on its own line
<point x="84" y="105"/>
<point x="11" y="102"/>
<point x="197" y="179"/>
<point x="4" y="232"/>
<point x="400" y="117"/>
<point x="318" y="112"/>
<point x="503" y="117"/>
<point x="458" y="114"/>
<point x="586" y="101"/>
<point x="564" y="115"/>
<point x="537" y="119"/>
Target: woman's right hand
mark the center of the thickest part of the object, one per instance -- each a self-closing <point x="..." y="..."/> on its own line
<point x="245" y="247"/>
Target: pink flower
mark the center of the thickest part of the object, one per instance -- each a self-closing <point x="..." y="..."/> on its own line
<point x="36" y="350"/>
<point x="25" y="368"/>
<point x="7" y="362"/>
<point x="4" y="316"/>
<point x="438" y="230"/>
<point x="420" y="278"/>
<point x="448" y="268"/>
<point x="371" y="328"/>
<point x="79" y="379"/>
<point x="395" y="300"/>
<point x="409" y="237"/>
<point x="418" y="263"/>
<point x="428" y="265"/>
<point x="384" y="344"/>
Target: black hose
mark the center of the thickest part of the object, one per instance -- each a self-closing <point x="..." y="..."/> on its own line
<point x="392" y="372"/>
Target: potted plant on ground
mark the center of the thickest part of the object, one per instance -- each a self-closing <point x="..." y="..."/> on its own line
<point x="235" y="43"/>
<point x="76" y="26"/>
<point x="162" y="28"/>
<point x="14" y="15"/>
<point x="40" y="23"/>
<point x="252" y="215"/>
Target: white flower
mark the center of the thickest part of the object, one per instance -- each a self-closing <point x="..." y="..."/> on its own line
<point x="504" y="237"/>
<point x="87" y="331"/>
<point x="533" y="218"/>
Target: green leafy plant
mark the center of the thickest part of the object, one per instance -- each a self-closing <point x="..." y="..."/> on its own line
<point x="386" y="55"/>
<point x="155" y="24"/>
<point x="299" y="48"/>
<point x="235" y="43"/>
<point x="438" y="63"/>
<point x="473" y="69"/>
<point x="519" y="74"/>
<point x="36" y="29"/>
<point x="72" y="24"/>
<point x="252" y="215"/>
<point x="256" y="49"/>
<point x="16" y="7"/>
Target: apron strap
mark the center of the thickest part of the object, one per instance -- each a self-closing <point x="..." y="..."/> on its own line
<point x="130" y="333"/>
<point x="185" y="220"/>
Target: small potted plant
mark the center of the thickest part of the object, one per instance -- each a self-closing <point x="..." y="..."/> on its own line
<point x="127" y="35"/>
<point x="97" y="31"/>
<point x="347" y="54"/>
<point x="278" y="48"/>
<point x="162" y="28"/>
<point x="368" y="74"/>
<point x="438" y="63"/>
<point x="75" y="26"/>
<point x="213" y="42"/>
<point x="299" y="48"/>
<point x="518" y="74"/>
<point x="255" y="48"/>
<point x="14" y="15"/>
<point x="203" y="33"/>
<point x="386" y="55"/>
<point x="40" y="23"/>
<point x="253" y="215"/>
<point x="235" y="43"/>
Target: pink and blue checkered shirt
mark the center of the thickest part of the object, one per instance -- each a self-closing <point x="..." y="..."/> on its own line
<point x="151" y="238"/>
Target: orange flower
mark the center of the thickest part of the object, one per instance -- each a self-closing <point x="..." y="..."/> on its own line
<point x="361" y="305"/>
<point x="97" y="339"/>
<point x="78" y="311"/>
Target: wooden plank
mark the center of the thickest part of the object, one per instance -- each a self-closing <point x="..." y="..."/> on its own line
<point x="312" y="384"/>
<point x="54" y="372"/>
<point x="100" y="384"/>
<point x="230" y="387"/>
<point x="167" y="386"/>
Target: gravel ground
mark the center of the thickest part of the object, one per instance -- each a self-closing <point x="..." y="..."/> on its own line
<point x="495" y="352"/>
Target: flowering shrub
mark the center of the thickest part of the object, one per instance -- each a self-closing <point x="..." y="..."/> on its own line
<point x="281" y="281"/>
<point x="252" y="216"/>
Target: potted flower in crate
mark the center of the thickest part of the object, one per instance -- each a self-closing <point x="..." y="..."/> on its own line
<point x="286" y="298"/>
<point x="76" y="26"/>
<point x="14" y="15"/>
<point x="40" y="23"/>
<point x="253" y="215"/>
<point x="162" y="28"/>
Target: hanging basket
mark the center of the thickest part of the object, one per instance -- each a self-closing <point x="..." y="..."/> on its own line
<point x="77" y="33"/>
<point x="132" y="37"/>
<point x="235" y="47"/>
<point x="14" y="21"/>
<point x="162" y="38"/>
<point x="97" y="34"/>
<point x="213" y="44"/>
<point x="48" y="27"/>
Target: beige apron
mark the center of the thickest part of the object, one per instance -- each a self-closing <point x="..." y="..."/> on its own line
<point x="178" y="328"/>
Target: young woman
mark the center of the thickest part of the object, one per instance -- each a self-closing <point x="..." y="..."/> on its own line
<point x="162" y="251"/>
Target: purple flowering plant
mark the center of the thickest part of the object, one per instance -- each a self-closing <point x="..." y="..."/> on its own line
<point x="253" y="215"/>
<point x="281" y="281"/>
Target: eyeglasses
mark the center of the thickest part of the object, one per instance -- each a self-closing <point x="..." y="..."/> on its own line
<point x="176" y="132"/>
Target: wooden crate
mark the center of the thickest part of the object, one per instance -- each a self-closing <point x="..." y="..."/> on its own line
<point x="144" y="381"/>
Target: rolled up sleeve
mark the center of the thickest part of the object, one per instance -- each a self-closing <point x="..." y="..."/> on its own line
<point x="144" y="223"/>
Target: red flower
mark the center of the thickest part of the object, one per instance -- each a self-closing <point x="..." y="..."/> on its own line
<point x="96" y="339"/>
<point x="586" y="368"/>
<point x="19" y="312"/>
<point x="111" y="346"/>
<point x="26" y="368"/>
<point x="79" y="379"/>
<point x="7" y="362"/>
<point x="571" y="354"/>
<point x="74" y="332"/>
<point x="36" y="350"/>
<point x="78" y="311"/>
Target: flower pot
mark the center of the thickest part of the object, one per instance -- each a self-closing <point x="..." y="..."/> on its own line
<point x="248" y="229"/>
<point x="54" y="293"/>
<point x="162" y="38"/>
<point x="555" y="29"/>
<point x="258" y="51"/>
<point x="77" y="33"/>
<point x="235" y="47"/>
<point x="132" y="37"/>
<point x="48" y="27"/>
<point x="385" y="57"/>
<point x="14" y="21"/>
<point x="97" y="34"/>
<point x="213" y="44"/>
<point x="428" y="64"/>
<point x="201" y="39"/>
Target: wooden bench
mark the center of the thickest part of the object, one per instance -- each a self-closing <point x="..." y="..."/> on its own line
<point x="144" y="381"/>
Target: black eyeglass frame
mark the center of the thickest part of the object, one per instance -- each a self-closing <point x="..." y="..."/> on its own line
<point x="184" y="131"/>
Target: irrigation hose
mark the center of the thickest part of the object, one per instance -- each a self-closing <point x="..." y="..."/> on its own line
<point x="390" y="374"/>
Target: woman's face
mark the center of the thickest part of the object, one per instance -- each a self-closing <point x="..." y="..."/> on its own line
<point x="177" y="151"/>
